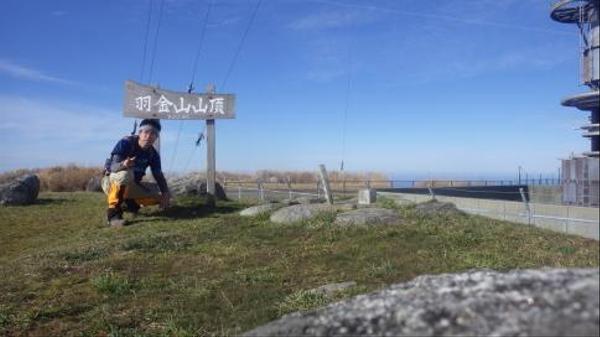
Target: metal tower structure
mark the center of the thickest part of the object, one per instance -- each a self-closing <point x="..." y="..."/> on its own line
<point x="584" y="13"/>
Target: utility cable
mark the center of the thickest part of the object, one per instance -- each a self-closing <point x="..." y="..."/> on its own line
<point x="198" y="143"/>
<point x="135" y="124"/>
<point x="346" y="107"/>
<point x="200" y="43"/>
<point x="176" y="146"/>
<point x="160" y="15"/>
<point x="191" y="85"/>
<point x="146" y="40"/>
<point x="239" y="48"/>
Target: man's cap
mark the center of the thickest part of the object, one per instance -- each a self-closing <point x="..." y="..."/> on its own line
<point x="150" y="123"/>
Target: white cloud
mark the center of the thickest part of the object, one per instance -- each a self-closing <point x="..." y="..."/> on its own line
<point x="476" y="13"/>
<point x="329" y="19"/>
<point x="534" y="58"/>
<point x="43" y="132"/>
<point x="21" y="72"/>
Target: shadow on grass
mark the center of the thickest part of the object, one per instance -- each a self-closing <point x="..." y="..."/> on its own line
<point x="183" y="212"/>
<point x="42" y="201"/>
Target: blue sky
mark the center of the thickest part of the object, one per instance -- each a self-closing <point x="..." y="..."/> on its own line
<point x="453" y="88"/>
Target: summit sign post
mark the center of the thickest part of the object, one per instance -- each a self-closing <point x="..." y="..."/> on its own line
<point x="143" y="101"/>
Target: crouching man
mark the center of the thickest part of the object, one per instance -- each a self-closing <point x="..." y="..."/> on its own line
<point x="125" y="169"/>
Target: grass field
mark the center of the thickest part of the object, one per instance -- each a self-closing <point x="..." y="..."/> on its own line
<point x="193" y="271"/>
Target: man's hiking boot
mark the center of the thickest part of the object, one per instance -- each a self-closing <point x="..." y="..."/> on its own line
<point x="132" y="207"/>
<point x="114" y="218"/>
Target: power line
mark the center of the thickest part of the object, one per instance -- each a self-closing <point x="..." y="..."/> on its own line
<point x="146" y="40"/>
<point x="160" y="15"/>
<point x="202" y="33"/>
<point x="346" y="107"/>
<point x="176" y="146"/>
<point x="198" y="143"/>
<point x="237" y="52"/>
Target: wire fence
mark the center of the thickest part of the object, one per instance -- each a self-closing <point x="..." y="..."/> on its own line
<point x="541" y="191"/>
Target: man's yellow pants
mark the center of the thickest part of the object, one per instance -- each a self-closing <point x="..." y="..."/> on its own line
<point x="121" y="185"/>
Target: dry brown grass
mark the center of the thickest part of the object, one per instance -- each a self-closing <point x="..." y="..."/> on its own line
<point x="301" y="177"/>
<point x="68" y="178"/>
<point x="73" y="178"/>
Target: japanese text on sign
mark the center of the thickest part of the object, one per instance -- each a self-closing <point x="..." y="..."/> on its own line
<point x="148" y="102"/>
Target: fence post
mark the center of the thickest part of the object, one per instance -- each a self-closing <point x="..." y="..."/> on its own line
<point x="240" y="191"/>
<point x="526" y="203"/>
<point x="431" y="193"/>
<point x="318" y="191"/>
<point x="259" y="189"/>
<point x="290" y="191"/>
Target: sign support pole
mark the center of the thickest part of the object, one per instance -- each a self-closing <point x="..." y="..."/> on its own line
<point x="210" y="162"/>
<point x="211" y="165"/>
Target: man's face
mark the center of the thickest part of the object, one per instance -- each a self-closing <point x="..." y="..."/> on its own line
<point x="147" y="138"/>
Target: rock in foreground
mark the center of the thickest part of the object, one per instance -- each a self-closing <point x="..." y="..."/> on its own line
<point x="21" y="191"/>
<point x="547" y="302"/>
<point x="296" y="213"/>
<point x="367" y="217"/>
<point x="301" y="212"/>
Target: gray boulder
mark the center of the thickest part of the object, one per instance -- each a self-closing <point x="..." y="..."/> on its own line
<point x="296" y="213"/>
<point x="436" y="207"/>
<point x="21" y="191"/>
<point x="366" y="217"/>
<point x="260" y="209"/>
<point x="194" y="184"/>
<point x="546" y="302"/>
<point x="94" y="185"/>
<point x="301" y="212"/>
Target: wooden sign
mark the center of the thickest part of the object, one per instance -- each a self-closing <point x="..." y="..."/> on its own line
<point x="143" y="101"/>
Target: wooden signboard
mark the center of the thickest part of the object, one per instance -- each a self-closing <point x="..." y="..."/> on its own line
<point x="143" y="101"/>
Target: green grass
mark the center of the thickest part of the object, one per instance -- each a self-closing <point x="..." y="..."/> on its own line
<point x="194" y="271"/>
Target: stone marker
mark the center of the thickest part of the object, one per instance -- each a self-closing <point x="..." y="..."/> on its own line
<point x="546" y="302"/>
<point x="367" y="217"/>
<point x="21" y="191"/>
<point x="260" y="209"/>
<point x="367" y="196"/>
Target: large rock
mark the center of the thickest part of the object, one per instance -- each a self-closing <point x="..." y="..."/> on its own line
<point x="21" y="191"/>
<point x="260" y="209"/>
<point x="301" y="212"/>
<point x="194" y="184"/>
<point x="367" y="217"/>
<point x="435" y="207"/>
<point x="547" y="302"/>
<point x="94" y="184"/>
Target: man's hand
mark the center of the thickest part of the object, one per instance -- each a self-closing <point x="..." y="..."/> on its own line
<point x="165" y="200"/>
<point x="129" y="162"/>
